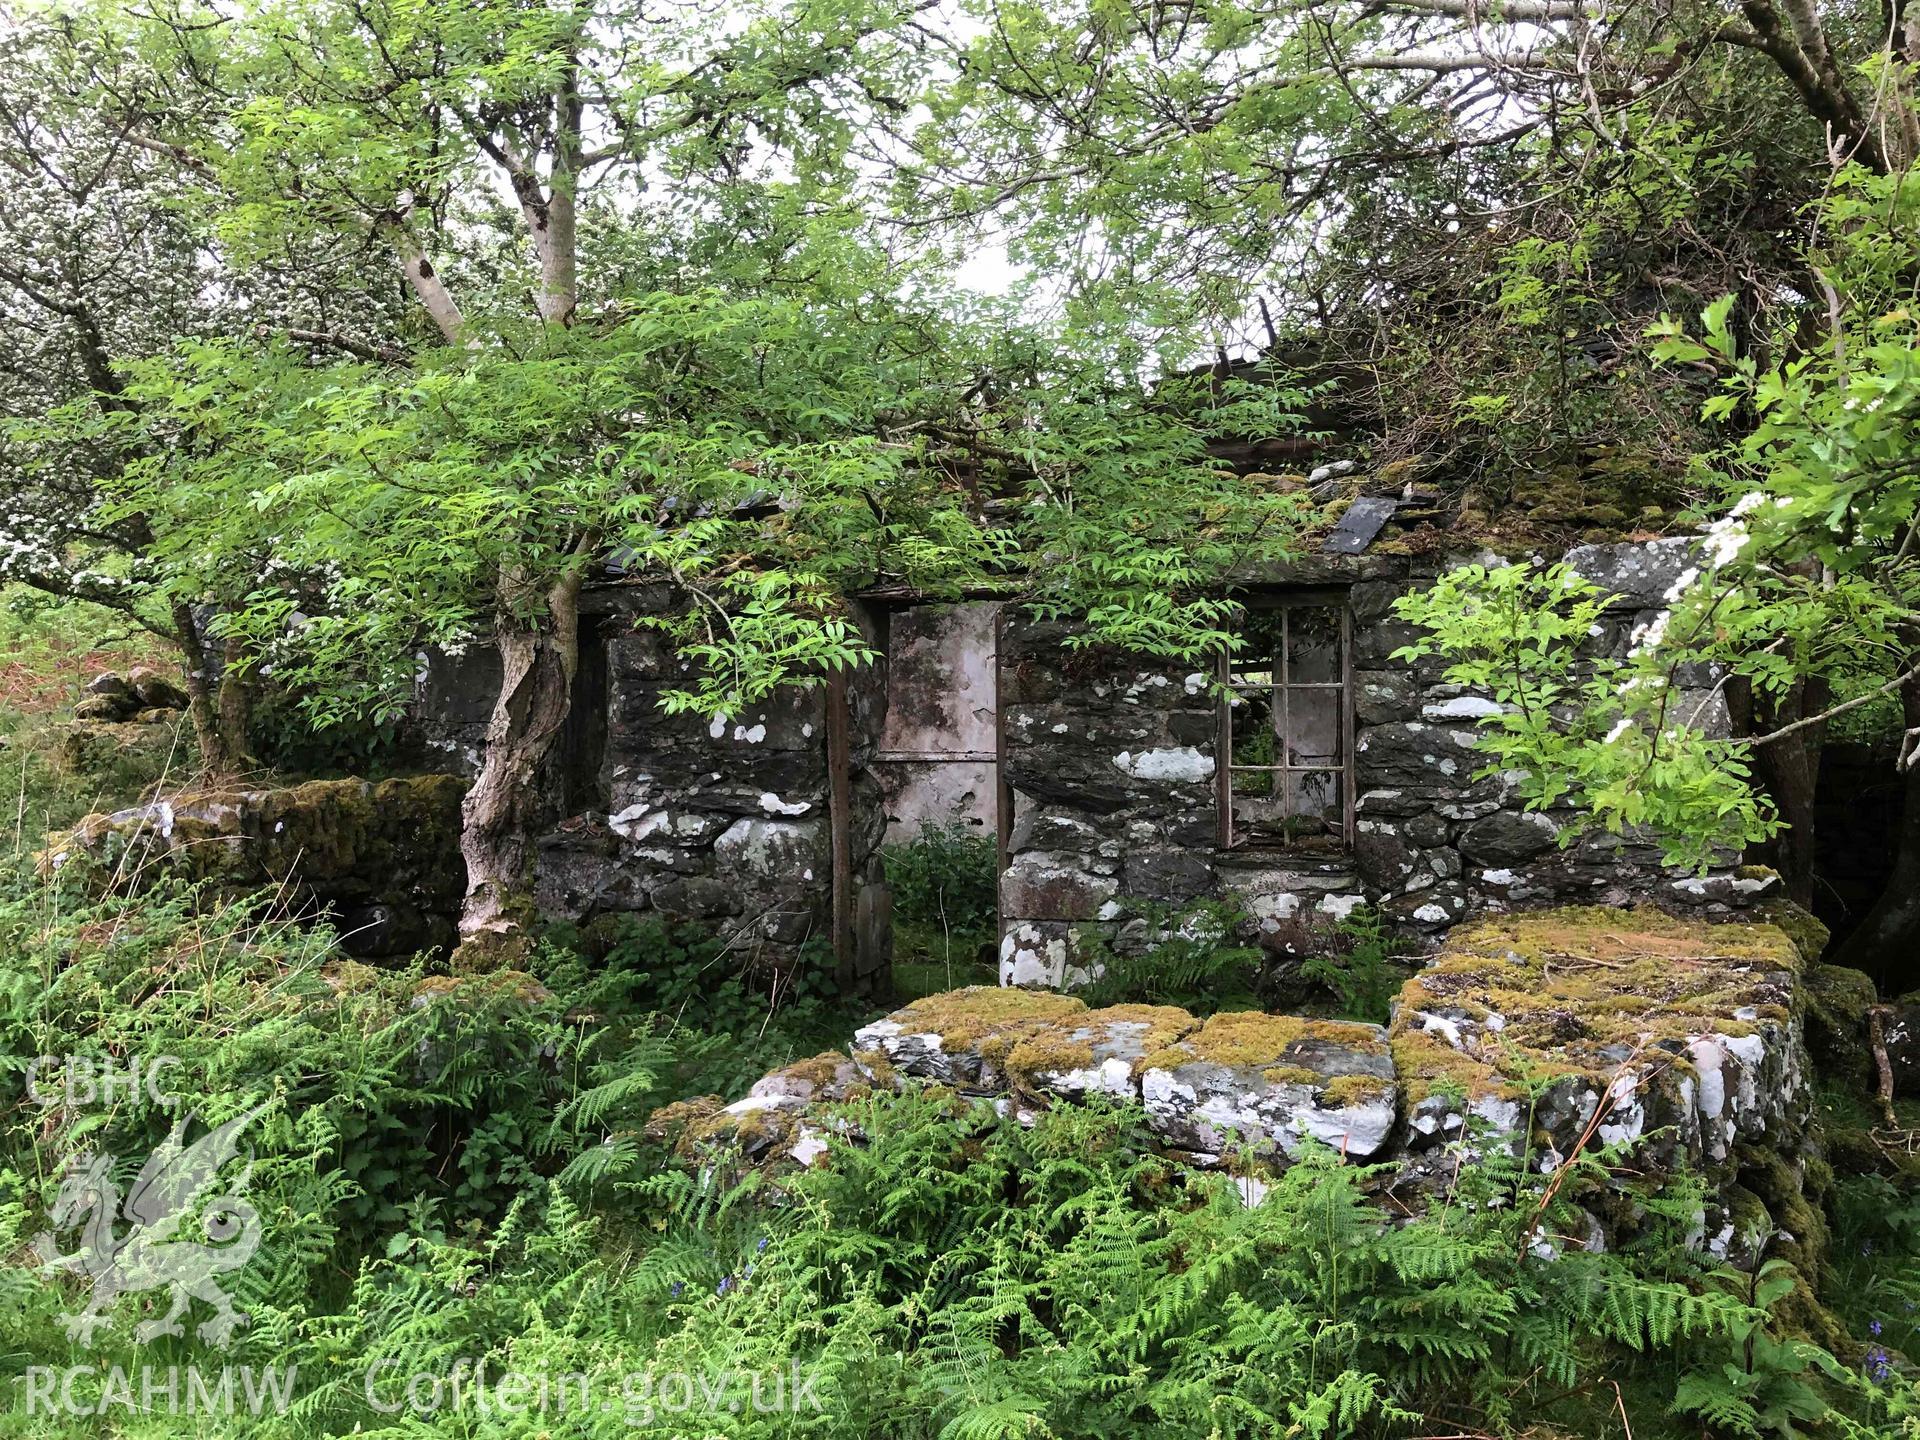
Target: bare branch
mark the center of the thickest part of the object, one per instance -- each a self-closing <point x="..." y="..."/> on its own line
<point x="339" y="340"/>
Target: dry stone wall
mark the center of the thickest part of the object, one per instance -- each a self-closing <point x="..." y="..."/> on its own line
<point x="380" y="859"/>
<point x="1674" y="1045"/>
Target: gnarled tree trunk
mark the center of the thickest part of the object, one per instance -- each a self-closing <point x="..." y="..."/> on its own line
<point x="508" y="804"/>
<point x="1790" y="770"/>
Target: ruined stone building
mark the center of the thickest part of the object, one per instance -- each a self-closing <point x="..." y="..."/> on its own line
<point x="1320" y="774"/>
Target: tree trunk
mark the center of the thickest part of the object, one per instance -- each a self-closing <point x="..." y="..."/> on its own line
<point x="1885" y="944"/>
<point x="219" y="719"/>
<point x="235" y="703"/>
<point x="510" y="799"/>
<point x="1790" y="770"/>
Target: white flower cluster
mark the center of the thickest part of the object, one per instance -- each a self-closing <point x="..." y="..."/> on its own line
<point x="1648" y="634"/>
<point x="1726" y="537"/>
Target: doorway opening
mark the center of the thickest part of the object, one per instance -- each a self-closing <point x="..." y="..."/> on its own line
<point x="947" y="812"/>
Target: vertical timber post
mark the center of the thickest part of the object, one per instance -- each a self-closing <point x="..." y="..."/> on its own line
<point x="840" y="823"/>
<point x="1002" y="788"/>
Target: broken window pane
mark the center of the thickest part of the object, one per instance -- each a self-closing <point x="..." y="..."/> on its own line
<point x="1256" y="782"/>
<point x="1317" y="798"/>
<point x="1313" y="645"/>
<point x="1255" y="738"/>
<point x="1265" y="816"/>
<point x="1260" y="639"/>
<point x="1287" y="719"/>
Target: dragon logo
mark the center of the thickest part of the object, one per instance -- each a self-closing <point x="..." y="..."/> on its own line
<point x="179" y="1181"/>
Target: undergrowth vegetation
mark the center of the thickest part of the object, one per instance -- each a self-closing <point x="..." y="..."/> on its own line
<point x="454" y="1170"/>
<point x="946" y="908"/>
<point x="454" y="1183"/>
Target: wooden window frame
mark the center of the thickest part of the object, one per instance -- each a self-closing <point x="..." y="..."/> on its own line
<point x="1321" y="599"/>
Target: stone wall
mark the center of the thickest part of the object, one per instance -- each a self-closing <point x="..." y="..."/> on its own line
<point x="1113" y="768"/>
<point x="1111" y="765"/>
<point x="381" y="860"/>
<point x="724" y="822"/>
<point x="1544" y="1036"/>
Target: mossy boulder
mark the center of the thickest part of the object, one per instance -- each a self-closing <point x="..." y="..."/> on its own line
<point x="769" y="1123"/>
<point x="1837" y="1000"/>
<point x="1270" y="1081"/>
<point x="128" y="753"/>
<point x="1808" y="931"/>
<point x="1275" y="1082"/>
<point x="965" y="1036"/>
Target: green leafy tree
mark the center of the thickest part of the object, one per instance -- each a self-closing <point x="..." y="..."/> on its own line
<point x="1805" y="580"/>
<point x="106" y="263"/>
<point x="652" y="323"/>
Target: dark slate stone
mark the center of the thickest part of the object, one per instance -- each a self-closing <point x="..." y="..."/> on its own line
<point x="460" y="689"/>
<point x="378" y="932"/>
<point x="1050" y="885"/>
<point x="1193" y="727"/>
<point x="1372" y="600"/>
<point x="1052" y="830"/>
<point x="1088" y="783"/>
<point x="1168" y="875"/>
<point x="1382" y="697"/>
<point x="697" y="896"/>
<point x="1360" y="523"/>
<point x="1507" y="837"/>
<point x="1433" y="909"/>
<point x="1639" y="573"/>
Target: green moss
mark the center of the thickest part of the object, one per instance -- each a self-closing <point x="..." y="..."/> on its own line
<point x="991" y="1019"/>
<point x="674" y="1124"/>
<point x="492" y="985"/>
<point x="1290" y="1075"/>
<point x="1808" y="933"/>
<point x="1576" y="987"/>
<point x="397" y="839"/>
<point x="1836" y="1001"/>
<point x="876" y="1064"/>
<point x="819" y="1071"/>
<point x="1426" y="1064"/>
<point x="349" y="977"/>
<point x="1056" y="1047"/>
<point x="1345" y="1090"/>
<point x="493" y="952"/>
<point x="1254" y="1040"/>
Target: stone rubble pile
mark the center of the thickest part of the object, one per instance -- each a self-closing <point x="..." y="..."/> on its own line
<point x="142" y="695"/>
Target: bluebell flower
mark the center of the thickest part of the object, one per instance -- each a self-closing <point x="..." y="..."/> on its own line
<point x="1873" y="1328"/>
<point x="1879" y="1365"/>
<point x="761" y="1247"/>
<point x="747" y="1274"/>
<point x="726" y="1283"/>
<point x="678" y="1286"/>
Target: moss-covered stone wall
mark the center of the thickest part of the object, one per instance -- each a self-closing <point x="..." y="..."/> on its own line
<point x="380" y="859"/>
